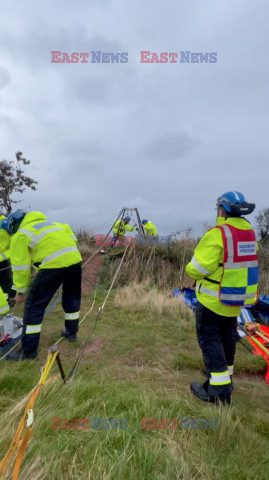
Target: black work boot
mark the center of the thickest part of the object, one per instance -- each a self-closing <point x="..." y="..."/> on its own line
<point x="203" y="392"/>
<point x="18" y="355"/>
<point x="66" y="334"/>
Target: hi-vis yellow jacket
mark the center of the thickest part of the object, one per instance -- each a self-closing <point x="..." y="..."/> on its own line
<point x="44" y="244"/>
<point x="207" y="263"/>
<point x="120" y="228"/>
<point x="4" y="243"/>
<point x="150" y="229"/>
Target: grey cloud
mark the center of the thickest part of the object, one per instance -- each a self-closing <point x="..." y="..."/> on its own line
<point x="4" y="77"/>
<point x="95" y="131"/>
<point x="91" y="90"/>
<point x="33" y="46"/>
<point x="171" y="146"/>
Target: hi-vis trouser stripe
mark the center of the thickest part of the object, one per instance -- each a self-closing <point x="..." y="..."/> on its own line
<point x="19" y="290"/>
<point x="222" y="378"/>
<point x="230" y="369"/>
<point x="33" y="329"/>
<point x="71" y="316"/>
<point x="199" y="267"/>
<point x="58" y="254"/>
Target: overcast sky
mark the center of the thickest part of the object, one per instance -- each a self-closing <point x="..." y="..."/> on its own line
<point x="166" y="138"/>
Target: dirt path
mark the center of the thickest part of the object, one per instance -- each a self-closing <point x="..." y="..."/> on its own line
<point x="90" y="272"/>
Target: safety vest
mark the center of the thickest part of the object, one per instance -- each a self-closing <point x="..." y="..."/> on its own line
<point x="120" y="228"/>
<point x="45" y="244"/>
<point x="239" y="281"/>
<point x="150" y="229"/>
<point x="4" y="243"/>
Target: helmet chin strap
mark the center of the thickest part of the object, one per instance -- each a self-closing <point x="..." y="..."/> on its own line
<point x="221" y="212"/>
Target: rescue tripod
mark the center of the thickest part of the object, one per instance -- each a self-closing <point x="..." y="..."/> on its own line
<point x="134" y="214"/>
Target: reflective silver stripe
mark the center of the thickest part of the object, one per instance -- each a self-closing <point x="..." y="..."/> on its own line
<point x="71" y="316"/>
<point x="43" y="234"/>
<point x="73" y="237"/>
<point x="26" y="232"/>
<point x="33" y="329"/>
<point x="58" y="254"/>
<point x="19" y="290"/>
<point x="236" y="196"/>
<point x="230" y="245"/>
<point x="234" y="265"/>
<point x="212" y="293"/>
<point x="2" y="255"/>
<point x="231" y="369"/>
<point x="199" y="267"/>
<point x="4" y="309"/>
<point x="245" y="315"/>
<point x="235" y="297"/>
<point x="40" y="225"/>
<point x="20" y="267"/>
<point x="219" y="378"/>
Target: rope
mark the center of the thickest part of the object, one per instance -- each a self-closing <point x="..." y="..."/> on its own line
<point x="80" y="351"/>
<point x="114" y="279"/>
<point x="10" y="350"/>
<point x="101" y="246"/>
<point x="6" y="268"/>
<point x="18" y="442"/>
<point x="92" y="283"/>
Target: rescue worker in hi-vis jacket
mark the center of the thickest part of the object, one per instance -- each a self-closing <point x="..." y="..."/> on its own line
<point x="6" y="293"/>
<point x="51" y="248"/>
<point x="119" y="229"/>
<point x="149" y="228"/>
<point x="5" y="268"/>
<point x="225" y="267"/>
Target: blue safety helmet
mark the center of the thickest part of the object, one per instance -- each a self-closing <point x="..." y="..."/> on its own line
<point x="13" y="221"/>
<point x="127" y="219"/>
<point x="230" y="198"/>
<point x="3" y="224"/>
<point x="144" y="221"/>
<point x="234" y="203"/>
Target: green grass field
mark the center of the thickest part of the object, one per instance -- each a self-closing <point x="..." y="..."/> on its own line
<point x="139" y="363"/>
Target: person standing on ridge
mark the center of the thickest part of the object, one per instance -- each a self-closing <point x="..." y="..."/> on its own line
<point x="149" y="228"/>
<point x="119" y="229"/>
<point x="225" y="267"/>
<point x="51" y="248"/>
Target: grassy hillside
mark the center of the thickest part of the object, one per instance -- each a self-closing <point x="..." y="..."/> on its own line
<point x="165" y="266"/>
<point x="141" y="360"/>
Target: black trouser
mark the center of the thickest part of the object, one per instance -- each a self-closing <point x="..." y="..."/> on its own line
<point x="6" y="278"/>
<point x="216" y="336"/>
<point x="44" y="286"/>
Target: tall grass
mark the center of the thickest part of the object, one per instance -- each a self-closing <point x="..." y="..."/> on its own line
<point x="263" y="255"/>
<point x="146" y="297"/>
<point x="86" y="241"/>
<point x="164" y="266"/>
